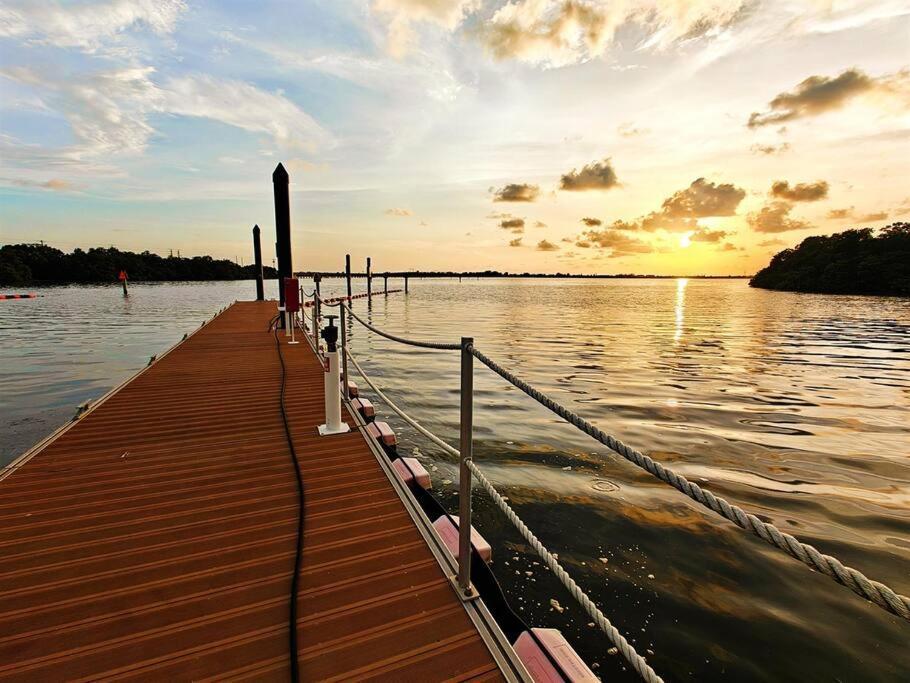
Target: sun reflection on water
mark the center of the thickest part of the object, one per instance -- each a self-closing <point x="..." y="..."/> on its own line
<point x="680" y="307"/>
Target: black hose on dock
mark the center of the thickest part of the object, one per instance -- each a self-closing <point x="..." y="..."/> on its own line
<point x="301" y="496"/>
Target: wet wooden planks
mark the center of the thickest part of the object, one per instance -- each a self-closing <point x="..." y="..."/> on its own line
<point x="155" y="538"/>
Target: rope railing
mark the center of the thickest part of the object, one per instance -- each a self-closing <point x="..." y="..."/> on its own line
<point x="402" y="340"/>
<point x="636" y="661"/>
<point x="874" y="591"/>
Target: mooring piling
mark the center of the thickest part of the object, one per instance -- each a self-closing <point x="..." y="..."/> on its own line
<point x="405" y="284"/>
<point x="257" y="259"/>
<point x="385" y="284"/>
<point x="369" y="281"/>
<point x="281" y="181"/>
<point x="347" y="273"/>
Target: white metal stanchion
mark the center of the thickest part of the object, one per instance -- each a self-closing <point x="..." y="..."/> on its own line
<point x="293" y="322"/>
<point x="333" y="423"/>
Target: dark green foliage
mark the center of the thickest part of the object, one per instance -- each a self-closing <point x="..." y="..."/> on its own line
<point x="850" y="262"/>
<point x="22" y="264"/>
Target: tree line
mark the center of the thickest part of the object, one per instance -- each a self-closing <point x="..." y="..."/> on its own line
<point x="851" y="262"/>
<point x="24" y="264"/>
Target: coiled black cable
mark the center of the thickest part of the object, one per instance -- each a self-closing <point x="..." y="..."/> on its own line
<point x="301" y="496"/>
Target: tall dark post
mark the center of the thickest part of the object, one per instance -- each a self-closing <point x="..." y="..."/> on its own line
<point x="405" y="284"/>
<point x="347" y="273"/>
<point x="369" y="281"/>
<point x="257" y="258"/>
<point x="385" y="284"/>
<point x="316" y="278"/>
<point x="280" y="181"/>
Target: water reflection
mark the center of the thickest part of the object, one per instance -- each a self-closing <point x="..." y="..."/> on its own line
<point x="680" y="308"/>
<point x="794" y="406"/>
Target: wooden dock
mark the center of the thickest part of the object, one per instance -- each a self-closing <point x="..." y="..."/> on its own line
<point x="154" y="537"/>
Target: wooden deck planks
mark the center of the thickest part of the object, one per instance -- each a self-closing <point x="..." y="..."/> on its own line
<point x="154" y="539"/>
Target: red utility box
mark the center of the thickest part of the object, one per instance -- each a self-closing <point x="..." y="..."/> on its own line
<point x="291" y="295"/>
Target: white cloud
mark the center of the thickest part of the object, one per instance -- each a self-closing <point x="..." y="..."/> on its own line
<point x="244" y="106"/>
<point x="109" y="110"/>
<point x="424" y="73"/>
<point x="402" y="14"/>
<point x="86" y="26"/>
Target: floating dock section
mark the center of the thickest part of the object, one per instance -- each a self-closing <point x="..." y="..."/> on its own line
<point x="154" y="537"/>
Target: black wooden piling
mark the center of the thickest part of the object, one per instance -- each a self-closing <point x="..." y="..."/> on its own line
<point x="385" y="284"/>
<point x="347" y="272"/>
<point x="281" y="181"/>
<point x="257" y="259"/>
<point x="405" y="284"/>
<point x="369" y="281"/>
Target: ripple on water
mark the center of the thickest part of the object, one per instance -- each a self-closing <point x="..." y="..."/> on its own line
<point x="793" y="406"/>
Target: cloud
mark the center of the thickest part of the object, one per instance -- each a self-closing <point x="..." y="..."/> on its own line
<point x="399" y="212"/>
<point x="726" y="246"/>
<point x="627" y="130"/>
<point x="516" y="242"/>
<point x="516" y="225"/>
<point x="244" y="106"/>
<point x="592" y="222"/>
<point x="546" y="245"/>
<point x="619" y="243"/>
<point x="55" y="184"/>
<point x="680" y="211"/>
<point x="560" y="32"/>
<point x="840" y="214"/>
<point x="402" y="14"/>
<point x="108" y="110"/>
<point x="772" y="243"/>
<point x="598" y="175"/>
<point x="705" y="235"/>
<point x="850" y="213"/>
<point x="819" y="94"/>
<point x="539" y="224"/>
<point x="775" y="217"/>
<point x="801" y="192"/>
<point x="516" y="192"/>
<point x="703" y="199"/>
<point x="584" y="244"/>
<point x="769" y="150"/>
<point x="86" y="26"/>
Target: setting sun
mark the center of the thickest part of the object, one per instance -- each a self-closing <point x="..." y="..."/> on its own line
<point x="685" y="240"/>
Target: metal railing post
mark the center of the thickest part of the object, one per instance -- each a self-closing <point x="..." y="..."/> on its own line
<point x="464" y="481"/>
<point x="316" y="323"/>
<point x="344" y="351"/>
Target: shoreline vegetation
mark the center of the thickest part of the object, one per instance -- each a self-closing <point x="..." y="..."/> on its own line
<point x="37" y="264"/>
<point x="850" y="262"/>
<point x="26" y="264"/>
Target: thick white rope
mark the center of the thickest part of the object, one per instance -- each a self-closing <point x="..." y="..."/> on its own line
<point x="628" y="652"/>
<point x="407" y="418"/>
<point x="876" y="592"/>
<point x="402" y="340"/>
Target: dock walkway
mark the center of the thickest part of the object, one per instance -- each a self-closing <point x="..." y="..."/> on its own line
<point x="155" y="537"/>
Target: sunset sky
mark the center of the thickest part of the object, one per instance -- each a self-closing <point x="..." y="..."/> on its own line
<point x="665" y="137"/>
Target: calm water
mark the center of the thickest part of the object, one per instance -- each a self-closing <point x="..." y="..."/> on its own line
<point x="797" y="407"/>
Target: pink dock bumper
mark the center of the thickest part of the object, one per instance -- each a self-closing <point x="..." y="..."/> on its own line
<point x="365" y="408"/>
<point x="447" y="528"/>
<point x="540" y="653"/>
<point x="410" y="470"/>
